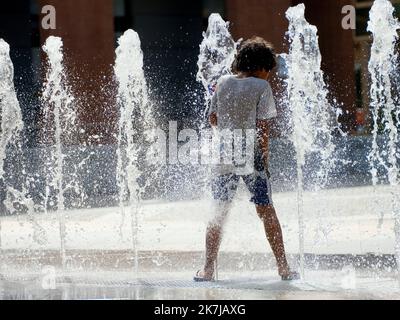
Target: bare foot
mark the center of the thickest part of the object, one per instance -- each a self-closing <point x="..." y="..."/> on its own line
<point x="283" y="271"/>
<point x="203" y="276"/>
<point x="288" y="275"/>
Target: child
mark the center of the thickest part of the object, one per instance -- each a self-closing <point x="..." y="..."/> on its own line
<point x="245" y="101"/>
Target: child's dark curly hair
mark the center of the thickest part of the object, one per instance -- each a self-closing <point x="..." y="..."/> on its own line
<point x="255" y="54"/>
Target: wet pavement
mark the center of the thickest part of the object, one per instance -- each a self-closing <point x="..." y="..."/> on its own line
<point x="325" y="285"/>
<point x="346" y="240"/>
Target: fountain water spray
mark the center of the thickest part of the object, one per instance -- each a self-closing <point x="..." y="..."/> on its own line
<point x="11" y="117"/>
<point x="312" y="115"/>
<point x="59" y="118"/>
<point x="385" y="111"/>
<point x="217" y="54"/>
<point x="10" y="112"/>
<point x="11" y="128"/>
<point x="135" y="117"/>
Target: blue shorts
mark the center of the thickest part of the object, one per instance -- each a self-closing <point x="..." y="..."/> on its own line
<point x="224" y="187"/>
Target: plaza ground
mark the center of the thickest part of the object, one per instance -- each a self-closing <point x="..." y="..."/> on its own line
<point x="349" y="242"/>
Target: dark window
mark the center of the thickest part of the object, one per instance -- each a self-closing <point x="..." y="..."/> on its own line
<point x="212" y="6"/>
<point x="359" y="92"/>
<point x="362" y="21"/>
<point x="123" y="19"/>
<point x="34" y="20"/>
<point x="170" y="32"/>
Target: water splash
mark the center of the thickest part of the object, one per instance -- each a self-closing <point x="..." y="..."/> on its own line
<point x="59" y="119"/>
<point x="11" y="128"/>
<point x="135" y="117"/>
<point x="11" y="117"/>
<point x="312" y="115"/>
<point x="10" y="112"/>
<point x="217" y="53"/>
<point x="385" y="154"/>
<point x="21" y="201"/>
<point x="216" y="57"/>
<point x="382" y="67"/>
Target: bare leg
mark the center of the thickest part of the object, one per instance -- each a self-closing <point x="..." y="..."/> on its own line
<point x="213" y="241"/>
<point x="273" y="232"/>
<point x="214" y="237"/>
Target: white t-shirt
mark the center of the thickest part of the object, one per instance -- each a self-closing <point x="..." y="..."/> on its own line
<point x="239" y="103"/>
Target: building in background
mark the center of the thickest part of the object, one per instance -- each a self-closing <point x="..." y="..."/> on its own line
<point x="362" y="45"/>
<point x="171" y="32"/>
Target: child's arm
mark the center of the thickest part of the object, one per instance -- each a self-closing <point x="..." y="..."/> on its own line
<point x="266" y="111"/>
<point x="263" y="138"/>
<point x="213" y="119"/>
